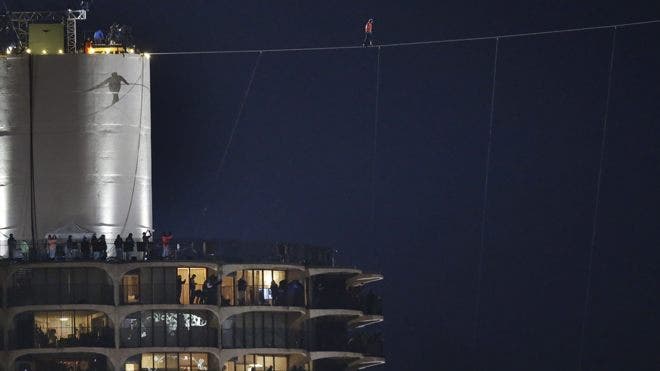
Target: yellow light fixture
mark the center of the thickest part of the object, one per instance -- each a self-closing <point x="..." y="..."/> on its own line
<point x="28" y="50"/>
<point x="44" y="51"/>
<point x="147" y="55"/>
<point x="60" y="51"/>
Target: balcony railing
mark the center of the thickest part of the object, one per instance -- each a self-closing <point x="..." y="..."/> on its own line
<point x="262" y="295"/>
<point x="98" y="337"/>
<point x="53" y="294"/>
<point x="228" y="251"/>
<point x="163" y="293"/>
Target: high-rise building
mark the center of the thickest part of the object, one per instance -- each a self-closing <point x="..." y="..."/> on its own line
<point x="75" y="159"/>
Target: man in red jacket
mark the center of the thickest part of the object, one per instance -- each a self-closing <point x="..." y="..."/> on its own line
<point x="368" y="33"/>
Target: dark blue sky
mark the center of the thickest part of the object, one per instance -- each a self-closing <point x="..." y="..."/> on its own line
<point x="299" y="167"/>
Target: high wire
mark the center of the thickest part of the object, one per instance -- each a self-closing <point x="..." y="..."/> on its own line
<point x="403" y="44"/>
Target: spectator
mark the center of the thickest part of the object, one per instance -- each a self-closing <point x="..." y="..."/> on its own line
<point x="282" y="292"/>
<point x="119" y="245"/>
<point x="179" y="287"/>
<point x="84" y="248"/>
<point x="165" y="240"/>
<point x="145" y="242"/>
<point x="99" y="37"/>
<point x="101" y="249"/>
<point x="71" y="248"/>
<point x="88" y="48"/>
<point x="95" y="246"/>
<point x="129" y="245"/>
<point x="111" y="251"/>
<point x="242" y="287"/>
<point x="52" y="246"/>
<point x="11" y="245"/>
<point x="192" y="286"/>
<point x="274" y="291"/>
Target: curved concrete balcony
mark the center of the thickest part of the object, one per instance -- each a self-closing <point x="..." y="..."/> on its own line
<point x="227" y="312"/>
<point x="366" y="362"/>
<point x="13" y="355"/>
<point x="317" y="313"/>
<point x="229" y="354"/>
<point x="365" y="320"/>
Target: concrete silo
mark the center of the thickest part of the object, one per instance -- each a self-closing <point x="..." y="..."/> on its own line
<point x="78" y="149"/>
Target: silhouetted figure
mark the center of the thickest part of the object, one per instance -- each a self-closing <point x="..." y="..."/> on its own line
<point x="242" y="287"/>
<point x="114" y="85"/>
<point x="129" y="245"/>
<point x="192" y="286"/>
<point x="96" y="252"/>
<point x="145" y="242"/>
<point x="84" y="247"/>
<point x="71" y="248"/>
<point x="103" y="247"/>
<point x="179" y="286"/>
<point x="274" y="292"/>
<point x="11" y="245"/>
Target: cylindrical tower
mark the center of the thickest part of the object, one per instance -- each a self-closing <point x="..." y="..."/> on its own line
<point x="15" y="208"/>
<point x="89" y="126"/>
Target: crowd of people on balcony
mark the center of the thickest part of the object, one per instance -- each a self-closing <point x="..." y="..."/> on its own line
<point x="126" y="248"/>
<point x="283" y="294"/>
<point x="99" y="248"/>
<point x="101" y="336"/>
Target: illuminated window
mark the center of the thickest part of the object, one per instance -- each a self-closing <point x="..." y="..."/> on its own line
<point x="131" y="288"/>
<point x="186" y="290"/>
<point x="170" y="361"/>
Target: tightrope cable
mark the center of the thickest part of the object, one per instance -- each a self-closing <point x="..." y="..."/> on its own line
<point x="594" y="228"/>
<point x="403" y="44"/>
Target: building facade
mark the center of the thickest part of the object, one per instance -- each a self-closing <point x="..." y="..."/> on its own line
<point x="214" y="312"/>
<point x="75" y="158"/>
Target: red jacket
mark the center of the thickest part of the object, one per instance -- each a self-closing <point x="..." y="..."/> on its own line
<point x="368" y="27"/>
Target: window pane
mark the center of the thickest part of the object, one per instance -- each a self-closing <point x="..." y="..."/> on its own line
<point x="159" y="361"/>
<point x="280" y="364"/>
<point x="146" y="330"/>
<point x="249" y="330"/>
<point x="172" y="361"/>
<point x="147" y="360"/>
<point x="171" y="327"/>
<point x="200" y="362"/>
<point x="185" y="360"/>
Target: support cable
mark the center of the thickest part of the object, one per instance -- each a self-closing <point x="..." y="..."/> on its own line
<point x="594" y="228"/>
<point x="482" y="246"/>
<point x="373" y="157"/>
<point x="33" y="191"/>
<point x="137" y="160"/>
<point x="237" y="121"/>
<point x="414" y="43"/>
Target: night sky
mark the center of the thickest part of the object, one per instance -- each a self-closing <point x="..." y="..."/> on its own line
<point x="300" y="165"/>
